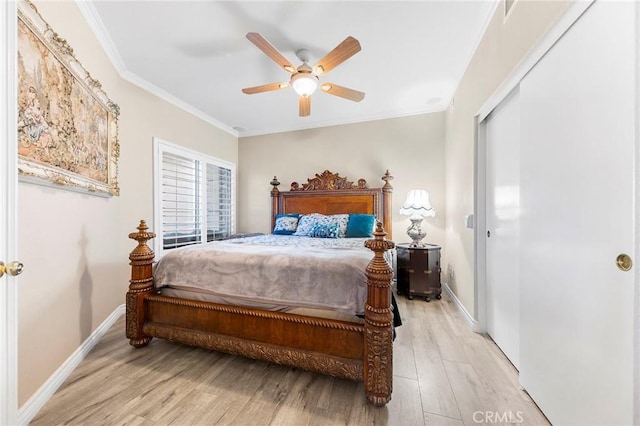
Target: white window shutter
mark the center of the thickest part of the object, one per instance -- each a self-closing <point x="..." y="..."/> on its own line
<point x="194" y="197"/>
<point x="181" y="222"/>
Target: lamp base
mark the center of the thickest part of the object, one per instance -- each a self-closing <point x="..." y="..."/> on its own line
<point x="415" y="232"/>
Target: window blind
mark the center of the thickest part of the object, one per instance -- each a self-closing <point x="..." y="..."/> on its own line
<point x="181" y="223"/>
<point x="194" y="197"/>
<point x="219" y="218"/>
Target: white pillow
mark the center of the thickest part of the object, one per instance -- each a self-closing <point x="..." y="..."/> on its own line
<point x="306" y="224"/>
<point x="343" y="221"/>
<point x="285" y="225"/>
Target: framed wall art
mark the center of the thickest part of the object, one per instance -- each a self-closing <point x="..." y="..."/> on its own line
<point x="67" y="125"/>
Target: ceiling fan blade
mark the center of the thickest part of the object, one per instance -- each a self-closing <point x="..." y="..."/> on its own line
<point x="343" y="92"/>
<point x="349" y="47"/>
<point x="265" y="88"/>
<point x="268" y="49"/>
<point x="305" y="106"/>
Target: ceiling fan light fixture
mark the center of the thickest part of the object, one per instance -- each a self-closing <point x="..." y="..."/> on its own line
<point x="304" y="79"/>
<point x="304" y="83"/>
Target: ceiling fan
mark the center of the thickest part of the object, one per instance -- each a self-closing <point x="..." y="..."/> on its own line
<point x="304" y="79"/>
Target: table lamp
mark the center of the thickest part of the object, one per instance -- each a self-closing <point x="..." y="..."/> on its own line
<point x="417" y="207"/>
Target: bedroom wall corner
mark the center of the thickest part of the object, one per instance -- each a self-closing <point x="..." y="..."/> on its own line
<point x="411" y="148"/>
<point x="75" y="246"/>
<point x="503" y="46"/>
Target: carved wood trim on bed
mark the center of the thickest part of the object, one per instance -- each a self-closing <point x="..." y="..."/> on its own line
<point x="140" y="285"/>
<point x="350" y="350"/>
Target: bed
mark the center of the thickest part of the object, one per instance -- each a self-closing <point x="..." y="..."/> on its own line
<point x="344" y="346"/>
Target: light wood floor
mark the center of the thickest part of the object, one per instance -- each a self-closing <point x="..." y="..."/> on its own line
<point x="444" y="374"/>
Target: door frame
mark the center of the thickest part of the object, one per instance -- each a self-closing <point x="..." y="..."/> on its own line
<point x="8" y="215"/>
<point x="636" y="260"/>
<point x="571" y="15"/>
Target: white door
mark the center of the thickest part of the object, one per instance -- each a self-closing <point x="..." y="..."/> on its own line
<point x="8" y="187"/>
<point x="578" y="122"/>
<point x="502" y="217"/>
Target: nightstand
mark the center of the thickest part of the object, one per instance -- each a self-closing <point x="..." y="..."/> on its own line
<point x="419" y="271"/>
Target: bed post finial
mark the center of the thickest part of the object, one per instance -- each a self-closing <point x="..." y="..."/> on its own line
<point x="378" y="325"/>
<point x="142" y="236"/>
<point x="275" y="193"/>
<point x="140" y="285"/>
<point x="387" y="191"/>
<point x="274" y="182"/>
<point x="386" y="178"/>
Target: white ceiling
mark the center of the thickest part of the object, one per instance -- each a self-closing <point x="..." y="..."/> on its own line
<point x="195" y="54"/>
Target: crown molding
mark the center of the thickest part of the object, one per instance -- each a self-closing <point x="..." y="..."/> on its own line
<point x="99" y="30"/>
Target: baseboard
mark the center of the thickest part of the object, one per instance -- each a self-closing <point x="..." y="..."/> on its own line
<point x="473" y="323"/>
<point x="30" y="408"/>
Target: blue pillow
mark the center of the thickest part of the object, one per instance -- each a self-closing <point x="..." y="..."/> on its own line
<point x="286" y="224"/>
<point x="321" y="230"/>
<point x="360" y="225"/>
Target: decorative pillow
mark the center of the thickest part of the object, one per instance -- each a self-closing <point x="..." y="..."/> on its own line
<point x="340" y="219"/>
<point x="306" y="224"/>
<point x="361" y="225"/>
<point x="286" y="224"/>
<point x="325" y="231"/>
<point x="343" y="222"/>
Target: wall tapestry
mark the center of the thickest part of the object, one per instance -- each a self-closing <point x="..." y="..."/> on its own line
<point x="67" y="126"/>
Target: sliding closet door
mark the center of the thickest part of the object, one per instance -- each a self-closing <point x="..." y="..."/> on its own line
<point x="577" y="197"/>
<point x="502" y="216"/>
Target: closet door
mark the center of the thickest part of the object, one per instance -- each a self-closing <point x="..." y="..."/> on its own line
<point x="502" y="239"/>
<point x="579" y="115"/>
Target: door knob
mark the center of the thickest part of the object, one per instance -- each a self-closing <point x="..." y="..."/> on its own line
<point x="13" y="268"/>
<point x="624" y="262"/>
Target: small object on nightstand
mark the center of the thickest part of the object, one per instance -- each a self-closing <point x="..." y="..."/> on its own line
<point x="419" y="271"/>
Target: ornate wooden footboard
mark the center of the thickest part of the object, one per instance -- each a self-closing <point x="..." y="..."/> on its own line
<point x="350" y="350"/>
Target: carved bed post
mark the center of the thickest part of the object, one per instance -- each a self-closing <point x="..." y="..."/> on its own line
<point x="378" y="331"/>
<point x="141" y="284"/>
<point x="274" y="201"/>
<point x="387" y="191"/>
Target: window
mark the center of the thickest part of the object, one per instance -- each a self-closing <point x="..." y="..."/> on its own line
<point x="193" y="197"/>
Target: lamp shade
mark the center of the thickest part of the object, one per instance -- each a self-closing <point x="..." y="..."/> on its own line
<point x="417" y="204"/>
<point x="304" y="83"/>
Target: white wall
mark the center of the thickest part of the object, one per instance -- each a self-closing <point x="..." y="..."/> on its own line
<point x="75" y="246"/>
<point x="412" y="148"/>
<point x="503" y="46"/>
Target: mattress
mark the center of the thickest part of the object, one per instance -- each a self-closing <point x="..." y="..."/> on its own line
<point x="274" y="272"/>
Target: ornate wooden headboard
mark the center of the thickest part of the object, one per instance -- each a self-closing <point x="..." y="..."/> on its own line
<point x="329" y="193"/>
